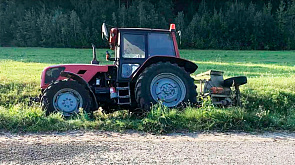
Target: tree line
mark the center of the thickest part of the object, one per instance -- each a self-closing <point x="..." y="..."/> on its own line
<point x="210" y="24"/>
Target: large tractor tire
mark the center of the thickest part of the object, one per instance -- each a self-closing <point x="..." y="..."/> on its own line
<point x="66" y="97"/>
<point x="166" y="82"/>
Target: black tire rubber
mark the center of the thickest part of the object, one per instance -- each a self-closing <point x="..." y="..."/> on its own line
<point x="240" y="80"/>
<point x="143" y="95"/>
<point x="52" y="89"/>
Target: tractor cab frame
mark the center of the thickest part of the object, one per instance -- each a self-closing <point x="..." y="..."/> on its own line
<point x="134" y="46"/>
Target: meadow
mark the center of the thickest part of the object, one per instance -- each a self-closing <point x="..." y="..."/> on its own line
<point x="268" y="97"/>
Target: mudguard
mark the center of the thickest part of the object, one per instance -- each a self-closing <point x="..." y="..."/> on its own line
<point x="188" y="65"/>
<point x="80" y="80"/>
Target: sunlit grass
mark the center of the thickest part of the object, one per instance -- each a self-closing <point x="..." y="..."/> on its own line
<point x="51" y="55"/>
<point x="248" y="69"/>
<point x="21" y="72"/>
<point x="285" y="58"/>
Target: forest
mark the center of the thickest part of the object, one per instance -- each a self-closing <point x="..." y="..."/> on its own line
<point x="204" y="24"/>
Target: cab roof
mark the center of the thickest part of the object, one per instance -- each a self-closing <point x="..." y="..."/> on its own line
<point x="144" y="29"/>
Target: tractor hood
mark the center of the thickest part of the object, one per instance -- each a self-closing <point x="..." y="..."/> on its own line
<point x="86" y="71"/>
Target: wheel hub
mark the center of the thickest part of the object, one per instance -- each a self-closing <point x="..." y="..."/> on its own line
<point x="169" y="88"/>
<point x="67" y="100"/>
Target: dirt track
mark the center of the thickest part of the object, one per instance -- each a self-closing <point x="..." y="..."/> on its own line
<point x="139" y="148"/>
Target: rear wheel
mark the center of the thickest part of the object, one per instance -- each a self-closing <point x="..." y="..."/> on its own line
<point x="66" y="97"/>
<point x="166" y="82"/>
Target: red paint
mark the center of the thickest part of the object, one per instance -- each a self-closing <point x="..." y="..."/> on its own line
<point x="91" y="70"/>
<point x="175" y="44"/>
<point x="113" y="38"/>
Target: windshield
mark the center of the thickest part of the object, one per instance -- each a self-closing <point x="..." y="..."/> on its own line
<point x="161" y="44"/>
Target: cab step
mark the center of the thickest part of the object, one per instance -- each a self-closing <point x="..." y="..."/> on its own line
<point x="123" y="91"/>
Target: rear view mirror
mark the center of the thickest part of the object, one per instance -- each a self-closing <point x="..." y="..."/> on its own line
<point x="179" y="33"/>
<point x="104" y="30"/>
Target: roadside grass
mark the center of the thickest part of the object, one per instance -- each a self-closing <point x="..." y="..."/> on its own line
<point x="20" y="118"/>
<point x="268" y="98"/>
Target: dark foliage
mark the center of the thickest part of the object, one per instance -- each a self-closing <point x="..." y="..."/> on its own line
<point x="211" y="24"/>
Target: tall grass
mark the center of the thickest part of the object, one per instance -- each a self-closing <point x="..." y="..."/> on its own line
<point x="160" y="119"/>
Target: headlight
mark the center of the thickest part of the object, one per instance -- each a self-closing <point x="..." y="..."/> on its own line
<point x="128" y="69"/>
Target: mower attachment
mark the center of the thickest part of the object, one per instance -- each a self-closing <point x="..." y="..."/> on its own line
<point x="222" y="92"/>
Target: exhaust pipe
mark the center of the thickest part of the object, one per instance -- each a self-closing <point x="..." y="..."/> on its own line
<point x="94" y="60"/>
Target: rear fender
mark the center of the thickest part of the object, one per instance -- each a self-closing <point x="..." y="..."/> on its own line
<point x="80" y="80"/>
<point x="188" y="65"/>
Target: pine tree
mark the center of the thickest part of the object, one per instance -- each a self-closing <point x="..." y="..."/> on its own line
<point x="10" y="11"/>
<point x="114" y="19"/>
<point x="281" y="22"/>
<point x="180" y="27"/>
<point x="28" y="31"/>
<point x="76" y="30"/>
<point x="263" y="24"/>
<point x="122" y="16"/>
<point x="290" y="25"/>
<point x="165" y="9"/>
<point x="141" y="14"/>
<point x="192" y="38"/>
<point x="46" y="29"/>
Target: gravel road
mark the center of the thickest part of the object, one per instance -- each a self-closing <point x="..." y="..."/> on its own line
<point x="77" y="147"/>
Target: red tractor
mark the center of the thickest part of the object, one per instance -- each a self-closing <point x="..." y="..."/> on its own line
<point x="147" y="68"/>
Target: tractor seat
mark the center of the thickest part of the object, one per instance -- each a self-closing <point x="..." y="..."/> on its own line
<point x="240" y="80"/>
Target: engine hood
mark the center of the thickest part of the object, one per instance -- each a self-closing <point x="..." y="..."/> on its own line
<point x="86" y="71"/>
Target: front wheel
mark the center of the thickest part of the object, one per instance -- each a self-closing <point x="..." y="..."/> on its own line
<point x="164" y="82"/>
<point x="66" y="97"/>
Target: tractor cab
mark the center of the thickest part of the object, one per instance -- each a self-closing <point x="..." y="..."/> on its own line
<point x="134" y="46"/>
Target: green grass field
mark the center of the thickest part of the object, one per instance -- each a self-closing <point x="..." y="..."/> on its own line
<point x="268" y="98"/>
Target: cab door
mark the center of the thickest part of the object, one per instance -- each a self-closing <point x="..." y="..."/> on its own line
<point x="133" y="53"/>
